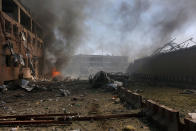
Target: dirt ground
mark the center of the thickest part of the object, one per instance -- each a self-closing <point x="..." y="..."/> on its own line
<point x="172" y="97"/>
<point x="47" y="98"/>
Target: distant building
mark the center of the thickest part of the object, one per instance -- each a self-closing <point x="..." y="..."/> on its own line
<point x="83" y="65"/>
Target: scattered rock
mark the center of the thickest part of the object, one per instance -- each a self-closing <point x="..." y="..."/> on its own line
<point x="111" y="129"/>
<point x="64" y="110"/>
<point x="3" y="88"/>
<point x="117" y="101"/>
<point x="119" y="84"/>
<point x="100" y="79"/>
<point x="114" y="97"/>
<point x="43" y="88"/>
<point x="14" y="129"/>
<point x="82" y="95"/>
<point x="64" y="92"/>
<point x="74" y="99"/>
<point x="19" y="95"/>
<point x="112" y="85"/>
<point x="24" y="85"/>
<point x="76" y="130"/>
<point x="138" y="91"/>
<point x="129" y="128"/>
<point x="188" y="92"/>
<point x="50" y="99"/>
<point x="192" y="115"/>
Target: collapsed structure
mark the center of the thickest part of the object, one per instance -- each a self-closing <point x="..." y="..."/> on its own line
<point x="170" y="63"/>
<point x="21" y="50"/>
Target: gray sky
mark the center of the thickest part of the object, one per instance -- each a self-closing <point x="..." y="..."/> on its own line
<point x="111" y="32"/>
<point x="133" y="28"/>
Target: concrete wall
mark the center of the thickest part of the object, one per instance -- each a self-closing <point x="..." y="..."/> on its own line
<point x="175" y="65"/>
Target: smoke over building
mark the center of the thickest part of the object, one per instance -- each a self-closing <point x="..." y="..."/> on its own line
<point x="84" y="65"/>
<point x="134" y="28"/>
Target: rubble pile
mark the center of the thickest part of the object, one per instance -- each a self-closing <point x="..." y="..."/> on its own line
<point x="61" y="97"/>
<point x="103" y="79"/>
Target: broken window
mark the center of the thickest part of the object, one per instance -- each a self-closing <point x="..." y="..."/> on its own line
<point x="38" y="44"/>
<point x="25" y="61"/>
<point x="36" y="29"/>
<point x="8" y="26"/>
<point x="28" y="38"/>
<point x="8" y="60"/>
<point x="41" y="45"/>
<point x="34" y="41"/>
<point x="25" y="20"/>
<point x="10" y="8"/>
<point x="34" y="63"/>
<point x="33" y="27"/>
<point x="16" y="64"/>
<point x="15" y="30"/>
<point x="39" y="32"/>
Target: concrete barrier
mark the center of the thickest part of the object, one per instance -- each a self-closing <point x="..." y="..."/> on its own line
<point x="190" y="125"/>
<point x="166" y="118"/>
<point x="134" y="99"/>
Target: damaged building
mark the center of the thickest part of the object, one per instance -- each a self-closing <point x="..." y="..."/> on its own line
<point x="84" y="65"/>
<point x="172" y="63"/>
<point x="21" y="42"/>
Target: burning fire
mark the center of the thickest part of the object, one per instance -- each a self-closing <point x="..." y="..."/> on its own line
<point x="55" y="73"/>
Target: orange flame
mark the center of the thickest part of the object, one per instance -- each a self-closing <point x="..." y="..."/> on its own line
<point x="55" y="73"/>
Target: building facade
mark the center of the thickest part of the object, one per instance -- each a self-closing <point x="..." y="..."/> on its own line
<point x="21" y="44"/>
<point x="84" y="65"/>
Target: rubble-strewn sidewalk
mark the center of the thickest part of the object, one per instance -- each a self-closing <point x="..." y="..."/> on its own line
<point x="51" y="97"/>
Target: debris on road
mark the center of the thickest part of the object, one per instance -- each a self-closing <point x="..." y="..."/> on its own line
<point x="100" y="79"/>
<point x="129" y="128"/>
<point x="188" y="91"/>
<point x="138" y="91"/>
<point x="112" y="85"/>
<point x="76" y="130"/>
<point x="3" y="88"/>
<point x="24" y="85"/>
<point x="15" y="129"/>
<point x="192" y="115"/>
<point x="50" y="97"/>
<point x="64" y="92"/>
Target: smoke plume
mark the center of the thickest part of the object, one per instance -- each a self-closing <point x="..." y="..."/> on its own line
<point x="137" y="27"/>
<point x="63" y="24"/>
<point x="128" y="27"/>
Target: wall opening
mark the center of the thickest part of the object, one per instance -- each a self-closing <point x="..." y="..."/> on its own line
<point x="8" y="27"/>
<point x="36" y="29"/>
<point x="10" y="8"/>
<point x="15" y="30"/>
<point x="25" y="20"/>
<point x="28" y="38"/>
<point x="8" y="60"/>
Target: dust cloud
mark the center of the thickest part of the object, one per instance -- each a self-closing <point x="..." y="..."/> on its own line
<point x="133" y="28"/>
